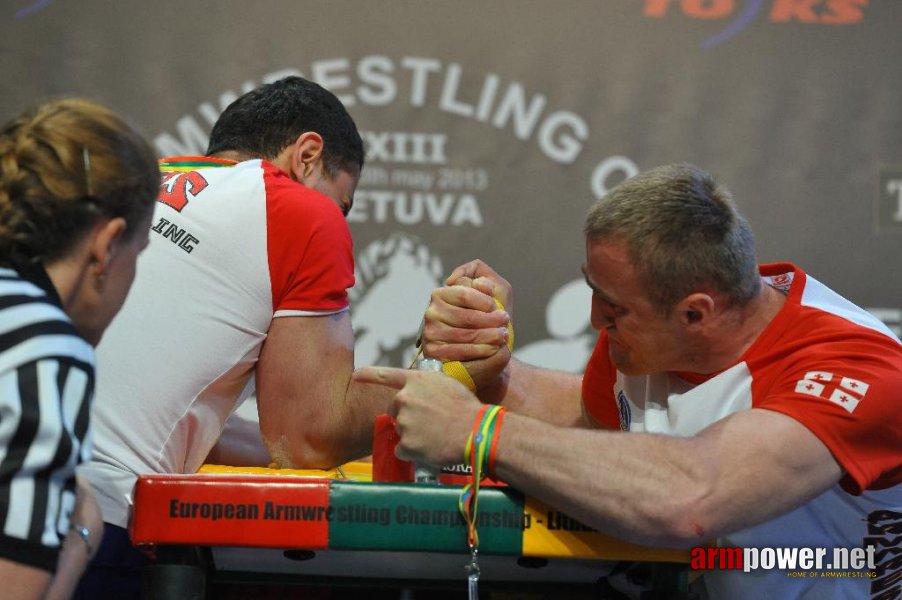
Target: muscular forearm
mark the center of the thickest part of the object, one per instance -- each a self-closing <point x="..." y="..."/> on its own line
<point x="633" y="486"/>
<point x="341" y="432"/>
<point x="550" y="396"/>
<point x="668" y="490"/>
<point x="354" y="418"/>
<point x="647" y="488"/>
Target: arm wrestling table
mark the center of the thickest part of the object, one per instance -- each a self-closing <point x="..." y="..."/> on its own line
<point x="340" y="527"/>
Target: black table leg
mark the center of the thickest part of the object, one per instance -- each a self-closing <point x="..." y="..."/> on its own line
<point x="179" y="573"/>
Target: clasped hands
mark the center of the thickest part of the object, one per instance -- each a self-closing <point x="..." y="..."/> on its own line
<point x="434" y="413"/>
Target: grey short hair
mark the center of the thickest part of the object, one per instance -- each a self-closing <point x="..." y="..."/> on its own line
<point x="683" y="234"/>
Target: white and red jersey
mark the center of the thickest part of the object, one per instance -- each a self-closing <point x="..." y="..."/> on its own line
<point x="824" y="362"/>
<point x="231" y="247"/>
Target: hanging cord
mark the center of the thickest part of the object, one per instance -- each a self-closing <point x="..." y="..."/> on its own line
<point x="479" y="453"/>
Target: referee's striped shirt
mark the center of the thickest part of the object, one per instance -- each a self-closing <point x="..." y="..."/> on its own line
<point x="46" y="387"/>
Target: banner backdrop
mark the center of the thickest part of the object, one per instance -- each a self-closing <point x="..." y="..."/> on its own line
<point x="491" y="127"/>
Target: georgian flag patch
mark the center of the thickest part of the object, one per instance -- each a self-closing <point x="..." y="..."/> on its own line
<point x="844" y="391"/>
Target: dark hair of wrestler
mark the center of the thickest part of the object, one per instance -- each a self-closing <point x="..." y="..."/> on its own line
<point x="264" y="121"/>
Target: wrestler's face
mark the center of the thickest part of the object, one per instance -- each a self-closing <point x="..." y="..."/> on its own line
<point x="340" y="189"/>
<point x="640" y="339"/>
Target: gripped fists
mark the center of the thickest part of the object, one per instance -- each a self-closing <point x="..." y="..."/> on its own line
<point x="463" y="321"/>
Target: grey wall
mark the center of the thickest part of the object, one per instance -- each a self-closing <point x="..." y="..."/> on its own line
<point x="492" y="127"/>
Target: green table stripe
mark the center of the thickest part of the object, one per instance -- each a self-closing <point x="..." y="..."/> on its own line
<point x="417" y="517"/>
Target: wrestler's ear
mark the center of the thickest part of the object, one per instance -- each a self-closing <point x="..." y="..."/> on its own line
<point x="695" y="309"/>
<point x="307" y="158"/>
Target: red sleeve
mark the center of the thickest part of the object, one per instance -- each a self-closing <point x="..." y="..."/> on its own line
<point x="846" y="388"/>
<point x="311" y="259"/>
<point x="598" y="386"/>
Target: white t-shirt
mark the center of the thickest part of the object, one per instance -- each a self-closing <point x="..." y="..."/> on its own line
<point x="232" y="246"/>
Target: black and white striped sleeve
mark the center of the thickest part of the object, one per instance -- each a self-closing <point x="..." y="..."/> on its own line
<point x="46" y="386"/>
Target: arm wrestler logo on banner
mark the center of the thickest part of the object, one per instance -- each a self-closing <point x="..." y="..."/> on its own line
<point x="395" y="277"/>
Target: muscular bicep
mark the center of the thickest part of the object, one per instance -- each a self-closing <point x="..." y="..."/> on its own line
<point x="758" y="464"/>
<point x="303" y="371"/>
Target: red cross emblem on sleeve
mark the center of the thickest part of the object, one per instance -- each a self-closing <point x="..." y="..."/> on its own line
<point x="843" y="391"/>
